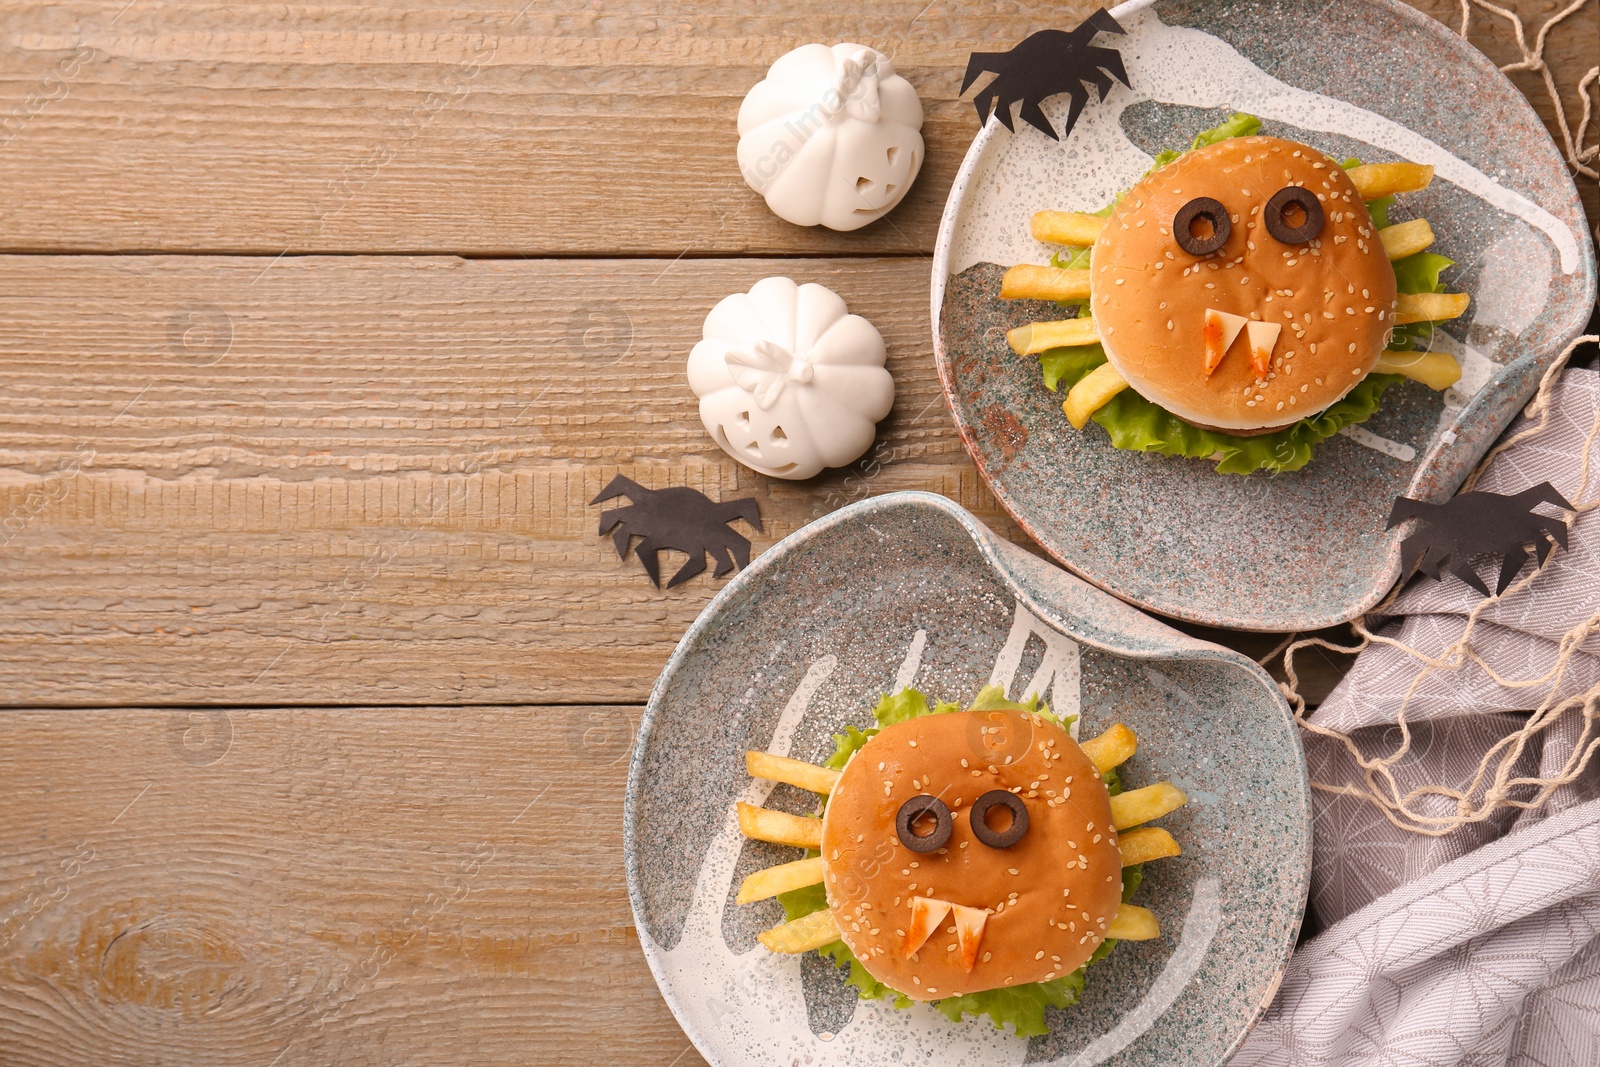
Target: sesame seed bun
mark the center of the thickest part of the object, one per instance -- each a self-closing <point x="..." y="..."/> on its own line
<point x="1050" y="895"/>
<point x="1333" y="295"/>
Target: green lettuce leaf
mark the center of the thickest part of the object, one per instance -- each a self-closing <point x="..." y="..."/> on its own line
<point x="1419" y="273"/>
<point x="1236" y="125"/>
<point x="1136" y="424"/>
<point x="1379" y="210"/>
<point x="1020" y="1007"/>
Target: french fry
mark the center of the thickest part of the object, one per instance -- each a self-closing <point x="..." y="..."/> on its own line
<point x="779" y="827"/>
<point x="1374" y="180"/>
<point x="771" y="881"/>
<point x="804" y="934"/>
<point x="791" y="771"/>
<point x="1429" y="307"/>
<point x="1036" y="337"/>
<point x="1067" y="228"/>
<point x="1028" y="281"/>
<point x="1143" y="845"/>
<point x="1115" y="745"/>
<point x="1436" y="370"/>
<point x="1142" y="805"/>
<point x="1406" y="238"/>
<point x="1091" y="394"/>
<point x="1130" y="923"/>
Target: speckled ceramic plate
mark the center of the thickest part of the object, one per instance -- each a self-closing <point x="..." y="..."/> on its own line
<point x="910" y="589"/>
<point x="1369" y="78"/>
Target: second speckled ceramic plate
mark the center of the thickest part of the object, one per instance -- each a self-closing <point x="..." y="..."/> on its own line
<point x="1369" y="78"/>
<point x="909" y="589"/>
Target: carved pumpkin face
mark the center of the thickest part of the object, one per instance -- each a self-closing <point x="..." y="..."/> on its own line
<point x="832" y="136"/>
<point x="789" y="382"/>
<point x="975" y="912"/>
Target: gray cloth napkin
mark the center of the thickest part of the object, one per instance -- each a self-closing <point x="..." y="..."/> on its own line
<point x="1483" y="946"/>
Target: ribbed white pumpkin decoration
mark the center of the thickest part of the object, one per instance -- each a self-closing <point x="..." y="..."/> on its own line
<point x="831" y="136"/>
<point x="789" y="381"/>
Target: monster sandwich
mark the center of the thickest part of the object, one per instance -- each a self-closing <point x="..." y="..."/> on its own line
<point x="1244" y="300"/>
<point x="979" y="858"/>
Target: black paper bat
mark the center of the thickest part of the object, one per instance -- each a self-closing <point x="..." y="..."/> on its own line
<point x="1047" y="63"/>
<point x="1474" y="524"/>
<point x="678" y="518"/>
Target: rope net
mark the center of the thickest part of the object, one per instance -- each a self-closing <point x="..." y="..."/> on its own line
<point x="1495" y="785"/>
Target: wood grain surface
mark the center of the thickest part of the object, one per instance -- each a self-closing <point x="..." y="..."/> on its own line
<point x="302" y="887"/>
<point x="366" y="479"/>
<point x="507" y="128"/>
<point x="336" y="505"/>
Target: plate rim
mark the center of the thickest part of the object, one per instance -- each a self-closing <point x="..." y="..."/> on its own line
<point x="1385" y="577"/>
<point x="1000" y="556"/>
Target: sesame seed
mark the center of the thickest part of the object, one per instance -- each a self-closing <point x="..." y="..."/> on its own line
<point x="1039" y="955"/>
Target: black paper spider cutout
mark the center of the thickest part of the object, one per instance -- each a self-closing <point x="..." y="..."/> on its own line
<point x="1473" y="524"/>
<point x="1047" y="63"/>
<point x="678" y="518"/>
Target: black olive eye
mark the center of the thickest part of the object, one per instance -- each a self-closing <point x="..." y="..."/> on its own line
<point x="980" y="819"/>
<point x="1201" y="226"/>
<point x="1293" y="215"/>
<point x="914" y="815"/>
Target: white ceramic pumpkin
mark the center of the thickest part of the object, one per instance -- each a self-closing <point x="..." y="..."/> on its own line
<point x="832" y="136"/>
<point x="789" y="381"/>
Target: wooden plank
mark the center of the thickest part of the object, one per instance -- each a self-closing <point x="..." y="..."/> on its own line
<point x="505" y="128"/>
<point x="296" y="887"/>
<point x="349" y="480"/>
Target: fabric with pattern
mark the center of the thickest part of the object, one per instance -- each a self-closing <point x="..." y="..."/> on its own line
<point x="1483" y="946"/>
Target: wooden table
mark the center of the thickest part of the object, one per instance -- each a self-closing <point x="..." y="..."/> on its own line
<point x="322" y="323"/>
